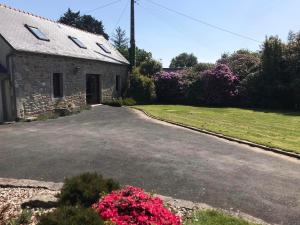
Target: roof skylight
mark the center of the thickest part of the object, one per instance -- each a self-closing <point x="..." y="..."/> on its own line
<point x="77" y="42"/>
<point x="105" y="49"/>
<point x="37" y="33"/>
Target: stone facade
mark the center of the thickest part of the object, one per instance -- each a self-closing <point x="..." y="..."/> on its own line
<point x="32" y="75"/>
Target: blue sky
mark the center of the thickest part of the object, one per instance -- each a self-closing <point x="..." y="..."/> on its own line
<point x="166" y="34"/>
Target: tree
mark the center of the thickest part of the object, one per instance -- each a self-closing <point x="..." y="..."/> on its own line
<point x="85" y="22"/>
<point x="142" y="56"/>
<point x="275" y="76"/>
<point x="70" y="18"/>
<point x="150" y="67"/>
<point x="184" y="60"/>
<point x="201" y="67"/>
<point x="120" y="41"/>
<point x="242" y="62"/>
<point x="273" y="59"/>
<point x="293" y="57"/>
<point x="142" y="88"/>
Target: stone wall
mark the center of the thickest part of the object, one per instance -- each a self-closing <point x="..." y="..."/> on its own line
<point x="33" y="81"/>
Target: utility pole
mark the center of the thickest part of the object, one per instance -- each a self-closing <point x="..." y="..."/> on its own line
<point x="132" y="37"/>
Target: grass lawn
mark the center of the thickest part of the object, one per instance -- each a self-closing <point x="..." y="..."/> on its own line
<point x="214" y="218"/>
<point x="280" y="129"/>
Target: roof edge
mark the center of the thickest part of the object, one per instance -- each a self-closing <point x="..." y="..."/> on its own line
<point x="117" y="62"/>
<point x="44" y="18"/>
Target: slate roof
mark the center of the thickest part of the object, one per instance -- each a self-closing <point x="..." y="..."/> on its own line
<point x="13" y="30"/>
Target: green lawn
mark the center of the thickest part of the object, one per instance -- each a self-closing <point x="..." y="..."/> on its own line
<point x="271" y="128"/>
<point x="214" y="218"/>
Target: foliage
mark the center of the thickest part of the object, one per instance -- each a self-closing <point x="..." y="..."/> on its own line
<point x="242" y="62"/>
<point x="120" y="102"/>
<point x="85" y="189"/>
<point x="212" y="217"/>
<point x="129" y="102"/>
<point x="275" y="90"/>
<point x="250" y="90"/>
<point x="71" y="216"/>
<point x="135" y="207"/>
<point x="142" y="56"/>
<point x="295" y="87"/>
<point x="83" y="22"/>
<point x="201" y="67"/>
<point x="184" y="60"/>
<point x="114" y="102"/>
<point x="120" y="41"/>
<point x="169" y="87"/>
<point x="150" y="67"/>
<point x="24" y="218"/>
<point x="219" y="86"/>
<point x="270" y="81"/>
<point x="141" y="88"/>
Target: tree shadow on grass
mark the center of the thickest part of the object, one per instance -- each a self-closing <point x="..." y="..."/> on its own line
<point x="276" y="111"/>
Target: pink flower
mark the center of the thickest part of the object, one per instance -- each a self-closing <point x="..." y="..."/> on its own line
<point x="133" y="206"/>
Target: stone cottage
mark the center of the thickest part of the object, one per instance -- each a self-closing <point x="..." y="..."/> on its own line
<point x="44" y="63"/>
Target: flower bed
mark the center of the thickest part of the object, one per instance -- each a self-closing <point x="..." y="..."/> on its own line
<point x="132" y="205"/>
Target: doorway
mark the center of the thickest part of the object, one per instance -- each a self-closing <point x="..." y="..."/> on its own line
<point x="93" y="89"/>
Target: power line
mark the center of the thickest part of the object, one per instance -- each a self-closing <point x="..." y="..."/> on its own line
<point x="121" y="15"/>
<point x="103" y="6"/>
<point x="161" y="19"/>
<point x="203" y="22"/>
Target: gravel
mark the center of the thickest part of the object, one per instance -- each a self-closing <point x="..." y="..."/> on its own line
<point x="11" y="199"/>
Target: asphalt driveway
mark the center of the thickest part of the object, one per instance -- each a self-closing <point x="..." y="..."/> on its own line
<point x="171" y="161"/>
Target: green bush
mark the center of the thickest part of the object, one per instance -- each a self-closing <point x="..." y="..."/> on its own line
<point x="86" y="189"/>
<point x="23" y="219"/>
<point x="150" y="67"/>
<point x="141" y="88"/>
<point x="114" y="103"/>
<point x="129" y="101"/>
<point x="120" y="102"/>
<point x="71" y="216"/>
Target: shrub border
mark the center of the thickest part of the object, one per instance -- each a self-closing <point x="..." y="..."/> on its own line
<point x="188" y="205"/>
<point x="249" y="143"/>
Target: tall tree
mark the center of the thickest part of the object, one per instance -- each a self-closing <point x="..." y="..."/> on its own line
<point x="142" y="56"/>
<point x="150" y="67"/>
<point x="273" y="51"/>
<point x="184" y="60"/>
<point x="70" y="18"/>
<point x="242" y="62"/>
<point x="83" y="22"/>
<point x="120" y="41"/>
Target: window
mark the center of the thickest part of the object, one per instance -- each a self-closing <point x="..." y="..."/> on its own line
<point x="105" y="49"/>
<point x="37" y="33"/>
<point x="118" y="83"/>
<point x="57" y="85"/>
<point x="77" y="42"/>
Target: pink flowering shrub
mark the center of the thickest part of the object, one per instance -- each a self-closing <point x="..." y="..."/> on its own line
<point x="169" y="86"/>
<point x="218" y="86"/>
<point x="133" y="206"/>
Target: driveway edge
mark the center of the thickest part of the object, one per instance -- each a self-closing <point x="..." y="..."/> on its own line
<point x="252" y="144"/>
<point x="24" y="183"/>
